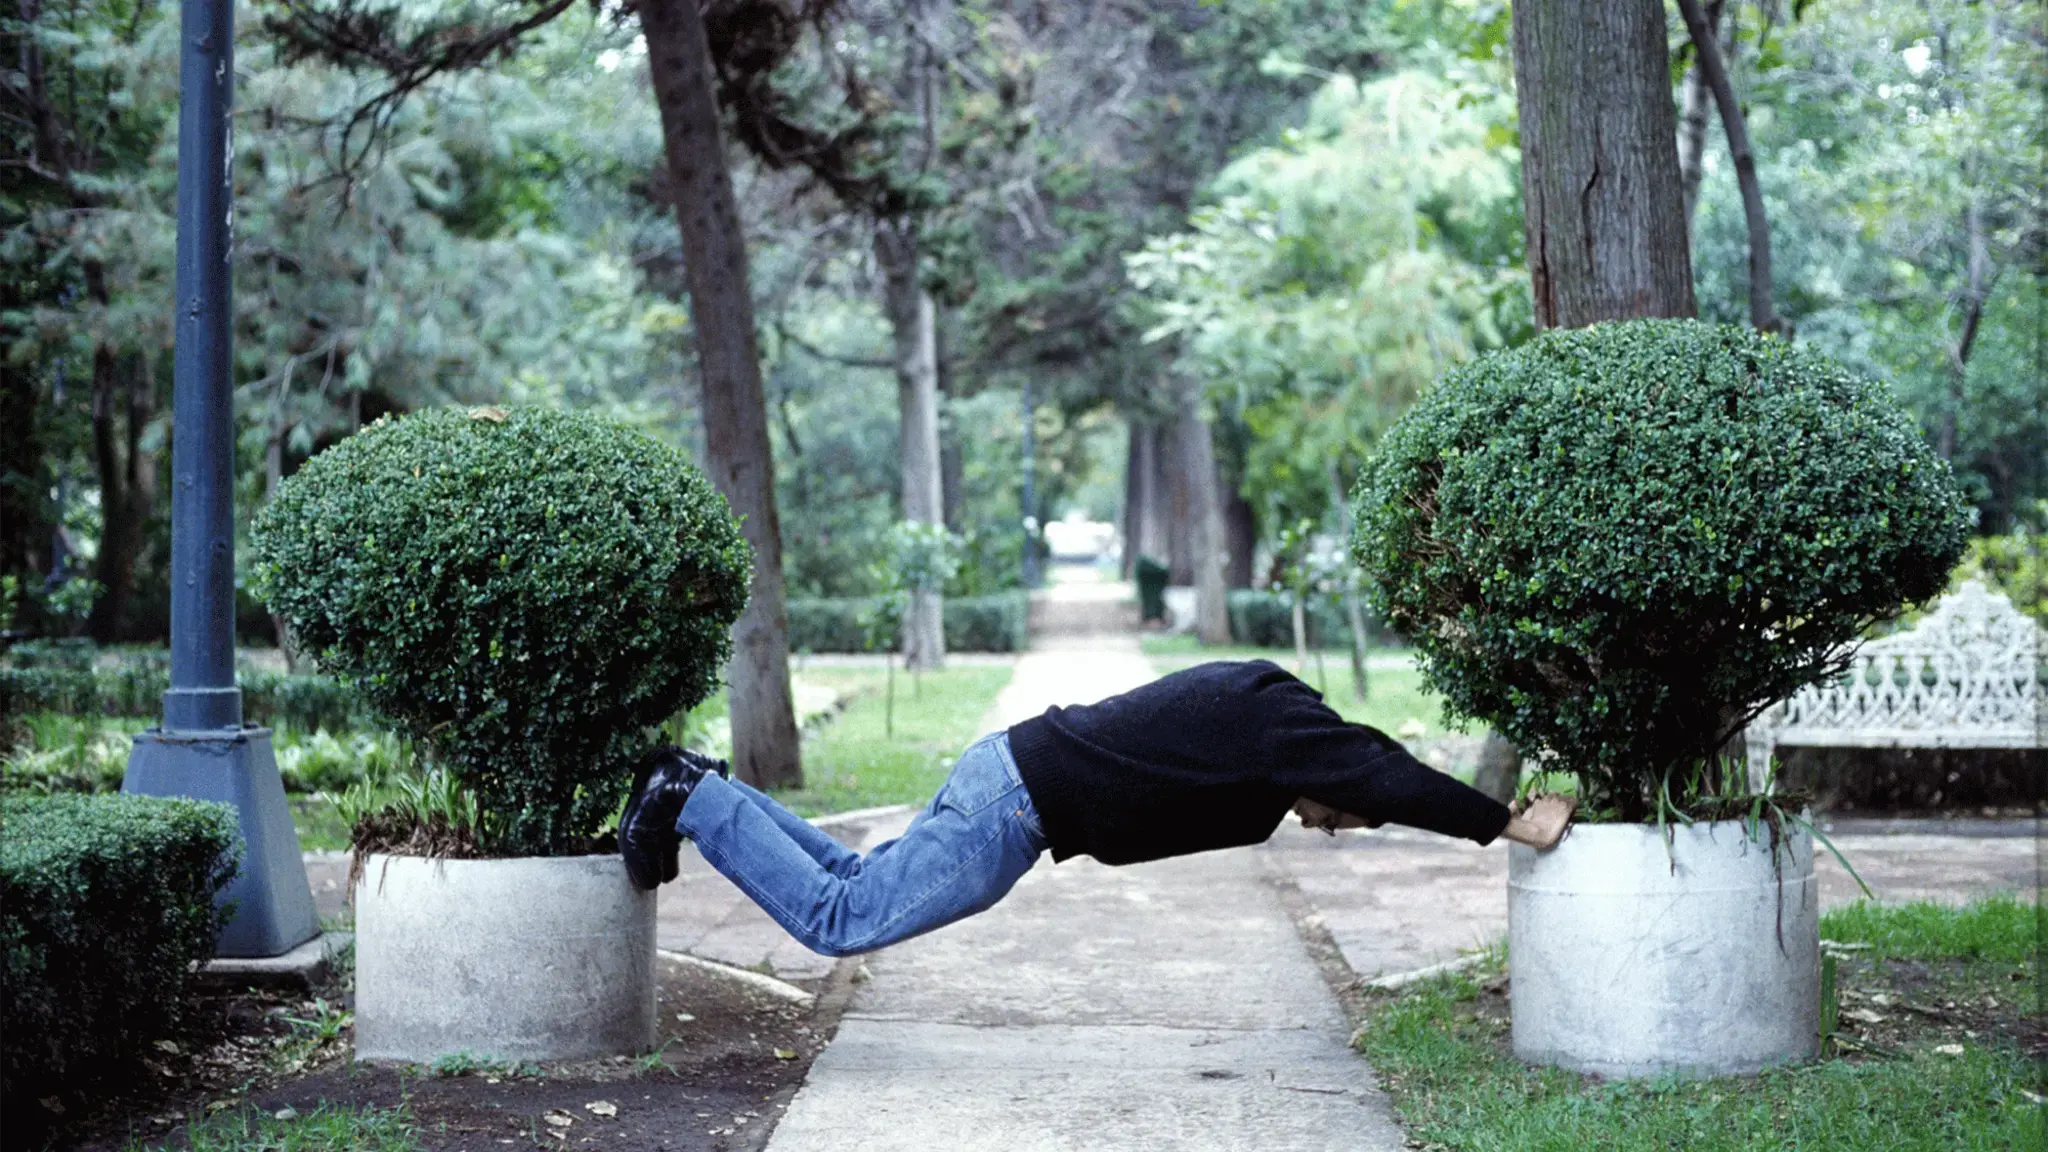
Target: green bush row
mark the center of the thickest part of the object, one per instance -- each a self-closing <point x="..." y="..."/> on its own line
<point x="995" y="623"/>
<point x="306" y="702"/>
<point x="106" y="903"/>
<point x="1266" y="619"/>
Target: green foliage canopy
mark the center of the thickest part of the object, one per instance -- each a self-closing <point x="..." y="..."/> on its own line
<point x="526" y="593"/>
<point x="1616" y="544"/>
<point x="1341" y="269"/>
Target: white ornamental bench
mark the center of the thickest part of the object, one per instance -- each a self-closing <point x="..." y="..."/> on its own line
<point x="1968" y="675"/>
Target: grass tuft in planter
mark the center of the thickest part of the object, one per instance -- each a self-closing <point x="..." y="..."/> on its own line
<point x="1617" y="544"/>
<point x="527" y="594"/>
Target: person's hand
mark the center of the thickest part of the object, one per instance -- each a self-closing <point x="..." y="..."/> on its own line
<point x="1314" y="815"/>
<point x="1542" y="821"/>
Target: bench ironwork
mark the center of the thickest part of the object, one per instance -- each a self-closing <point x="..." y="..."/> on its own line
<point x="1968" y="675"/>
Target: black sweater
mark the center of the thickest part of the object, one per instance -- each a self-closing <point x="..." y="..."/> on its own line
<point x="1214" y="757"/>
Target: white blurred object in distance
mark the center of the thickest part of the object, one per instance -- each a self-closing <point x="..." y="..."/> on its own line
<point x="1074" y="537"/>
<point x="1180" y="609"/>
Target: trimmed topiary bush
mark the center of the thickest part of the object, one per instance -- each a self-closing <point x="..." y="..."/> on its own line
<point x="106" y="902"/>
<point x="1617" y="544"/>
<point x="525" y="594"/>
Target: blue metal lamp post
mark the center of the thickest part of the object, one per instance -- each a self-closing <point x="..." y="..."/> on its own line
<point x="203" y="750"/>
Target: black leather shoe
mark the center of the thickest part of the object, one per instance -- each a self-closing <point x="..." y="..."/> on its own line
<point x="648" y="840"/>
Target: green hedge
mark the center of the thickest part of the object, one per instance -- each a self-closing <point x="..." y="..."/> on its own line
<point x="136" y="688"/>
<point x="1266" y="619"/>
<point x="527" y="593"/>
<point x="105" y="904"/>
<point x="1611" y="542"/>
<point x="993" y="623"/>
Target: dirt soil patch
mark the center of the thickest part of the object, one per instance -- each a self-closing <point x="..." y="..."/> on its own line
<point x="731" y="1056"/>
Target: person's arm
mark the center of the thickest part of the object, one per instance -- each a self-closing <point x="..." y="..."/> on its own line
<point x="1540" y="825"/>
<point x="1542" y="822"/>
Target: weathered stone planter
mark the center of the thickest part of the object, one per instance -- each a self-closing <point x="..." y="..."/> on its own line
<point x="522" y="959"/>
<point x="1628" y="959"/>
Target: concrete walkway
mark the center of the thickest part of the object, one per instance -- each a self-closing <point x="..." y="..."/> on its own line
<point x="1169" y="1005"/>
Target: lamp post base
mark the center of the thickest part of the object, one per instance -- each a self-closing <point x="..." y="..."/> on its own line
<point x="273" y="903"/>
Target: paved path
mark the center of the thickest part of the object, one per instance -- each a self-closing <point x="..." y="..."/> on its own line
<point x="1170" y="1005"/>
<point x="1396" y="899"/>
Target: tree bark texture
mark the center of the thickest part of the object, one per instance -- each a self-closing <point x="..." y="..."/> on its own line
<point x="737" y="453"/>
<point x="1978" y="287"/>
<point x="1154" y="501"/>
<point x="1763" y="312"/>
<point x="1197" y="458"/>
<point x="909" y="309"/>
<point x="1131" y="513"/>
<point x="1240" y="535"/>
<point x="1697" y="109"/>
<point x="1603" y="212"/>
<point x="1500" y="768"/>
<point x="1180" y="500"/>
<point x="123" y="403"/>
<point x="952" y="465"/>
<point x="24" y="477"/>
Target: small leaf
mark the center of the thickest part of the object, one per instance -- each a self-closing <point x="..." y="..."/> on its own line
<point x="1949" y="1049"/>
<point x="785" y="1054"/>
<point x="558" y="1118"/>
<point x="601" y="1108"/>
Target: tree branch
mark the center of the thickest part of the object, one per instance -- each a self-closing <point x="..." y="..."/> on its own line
<point x="1762" y="314"/>
<point x="816" y="352"/>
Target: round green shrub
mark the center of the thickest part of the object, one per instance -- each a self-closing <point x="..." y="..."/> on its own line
<point x="1617" y="544"/>
<point x="525" y="593"/>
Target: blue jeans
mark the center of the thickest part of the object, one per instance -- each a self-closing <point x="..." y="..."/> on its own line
<point x="958" y="857"/>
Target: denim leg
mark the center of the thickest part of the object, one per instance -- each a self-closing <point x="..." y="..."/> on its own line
<point x="833" y="856"/>
<point x="959" y="857"/>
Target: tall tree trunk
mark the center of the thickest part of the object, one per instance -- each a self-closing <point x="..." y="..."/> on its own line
<point x="1698" y="108"/>
<point x="737" y="453"/>
<point x="273" y="475"/>
<point x="123" y="402"/>
<point x="24" y="476"/>
<point x="1155" y="502"/>
<point x="1500" y="768"/>
<point x="1181" y="506"/>
<point x="1763" y="312"/>
<point x="1979" y="286"/>
<point x="1240" y="535"/>
<point x="1130" y="517"/>
<point x="1354" y="610"/>
<point x="1196" y="455"/>
<point x="917" y="393"/>
<point x="952" y="465"/>
<point x="1603" y="213"/>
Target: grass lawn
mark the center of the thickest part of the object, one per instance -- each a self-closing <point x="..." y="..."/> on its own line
<point x="1936" y="1053"/>
<point x="853" y="761"/>
<point x="330" y="1129"/>
<point x="1396" y="698"/>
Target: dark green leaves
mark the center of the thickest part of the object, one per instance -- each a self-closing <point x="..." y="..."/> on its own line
<point x="526" y="592"/>
<point x="1614" y="543"/>
<point x="106" y="903"/>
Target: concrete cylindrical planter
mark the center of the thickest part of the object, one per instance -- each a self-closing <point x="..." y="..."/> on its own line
<point x="1628" y="959"/>
<point x="535" y="958"/>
